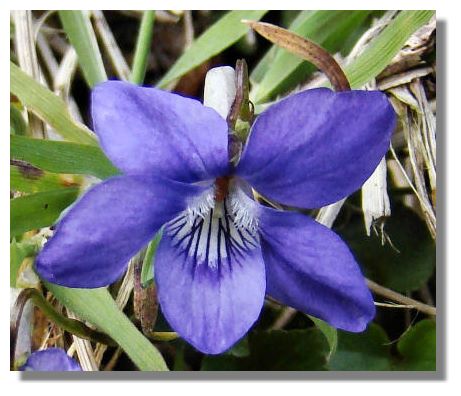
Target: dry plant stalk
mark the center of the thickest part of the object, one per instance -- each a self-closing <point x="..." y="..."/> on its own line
<point x="84" y="349"/>
<point x="110" y="45"/>
<point x="305" y="49"/>
<point x="24" y="40"/>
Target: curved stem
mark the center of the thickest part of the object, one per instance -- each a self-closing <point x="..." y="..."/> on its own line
<point x="71" y="325"/>
<point x="305" y="49"/>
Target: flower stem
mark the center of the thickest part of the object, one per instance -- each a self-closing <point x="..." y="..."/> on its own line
<point x="143" y="45"/>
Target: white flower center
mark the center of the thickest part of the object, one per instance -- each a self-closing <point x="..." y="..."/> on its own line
<point x="215" y="231"/>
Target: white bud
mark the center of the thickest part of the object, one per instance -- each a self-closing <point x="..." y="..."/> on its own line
<point x="219" y="92"/>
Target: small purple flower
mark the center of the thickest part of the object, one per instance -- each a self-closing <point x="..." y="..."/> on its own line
<point x="51" y="359"/>
<point x="222" y="251"/>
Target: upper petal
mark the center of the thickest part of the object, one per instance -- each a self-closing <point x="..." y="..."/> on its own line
<point x="51" y="359"/>
<point x="318" y="146"/>
<point x="210" y="278"/>
<point x="311" y="269"/>
<point x="147" y="130"/>
<point x="96" y="238"/>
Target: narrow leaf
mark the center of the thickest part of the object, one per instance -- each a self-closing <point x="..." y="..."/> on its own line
<point x="98" y="308"/>
<point x="143" y="45"/>
<point x="147" y="272"/>
<point x="18" y="125"/>
<point x="79" y="30"/>
<point x="48" y="106"/>
<point x="39" y="210"/>
<point x="62" y="157"/>
<point x="29" y="179"/>
<point x="215" y="39"/>
<point x="382" y="50"/>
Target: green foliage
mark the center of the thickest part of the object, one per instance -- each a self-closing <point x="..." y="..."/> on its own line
<point x="77" y="26"/>
<point x="18" y="252"/>
<point x="18" y="125"/>
<point x="31" y="180"/>
<point x="330" y="333"/>
<point x="367" y="351"/>
<point x="98" y="308"/>
<point x="294" y="350"/>
<point x="143" y="45"/>
<point x="39" y="210"/>
<point x="404" y="270"/>
<point x="62" y="157"/>
<point x="383" y="48"/>
<point x="418" y="347"/>
<point x="49" y="107"/>
<point x="225" y="32"/>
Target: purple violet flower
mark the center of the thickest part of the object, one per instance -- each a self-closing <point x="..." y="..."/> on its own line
<point x="222" y="251"/>
<point x="51" y="359"/>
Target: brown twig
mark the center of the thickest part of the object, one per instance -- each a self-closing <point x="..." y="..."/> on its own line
<point x="394" y="296"/>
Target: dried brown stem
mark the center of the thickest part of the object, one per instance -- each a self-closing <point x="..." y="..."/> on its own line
<point x="305" y="49"/>
<point x="394" y="296"/>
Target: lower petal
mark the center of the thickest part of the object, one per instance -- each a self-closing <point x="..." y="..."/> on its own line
<point x="311" y="269"/>
<point x="110" y="223"/>
<point x="211" y="280"/>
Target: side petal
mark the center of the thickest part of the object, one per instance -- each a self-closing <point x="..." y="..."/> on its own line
<point x="311" y="269"/>
<point x="150" y="131"/>
<point x="51" y="359"/>
<point x="318" y="146"/>
<point x="94" y="241"/>
<point x="211" y="281"/>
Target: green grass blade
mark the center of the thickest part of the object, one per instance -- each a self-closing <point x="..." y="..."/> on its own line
<point x="98" y="307"/>
<point x="222" y="34"/>
<point x="32" y="180"/>
<point x="62" y="157"/>
<point x="382" y="50"/>
<point x="79" y="30"/>
<point x="18" y="125"/>
<point x="46" y="105"/>
<point x="39" y="210"/>
<point x="279" y="70"/>
<point x="147" y="271"/>
<point x="143" y="45"/>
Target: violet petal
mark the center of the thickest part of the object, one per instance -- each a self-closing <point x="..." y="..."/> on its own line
<point x="310" y="268"/>
<point x="318" y="146"/>
<point x="211" y="286"/>
<point x="51" y="359"/>
<point x="107" y="226"/>
<point x="150" y="131"/>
